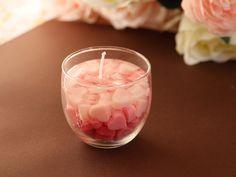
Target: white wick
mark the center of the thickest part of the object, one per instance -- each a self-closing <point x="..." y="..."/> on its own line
<point x="101" y="65"/>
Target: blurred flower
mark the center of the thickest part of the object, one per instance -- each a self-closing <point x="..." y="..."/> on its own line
<point x="77" y="9"/>
<point x="132" y="13"/>
<point x="197" y="44"/>
<point x="219" y="16"/>
<point x="18" y="17"/>
<point x="109" y="3"/>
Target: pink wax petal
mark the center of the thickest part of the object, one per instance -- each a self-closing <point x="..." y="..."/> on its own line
<point x="144" y="83"/>
<point x="90" y="98"/>
<point x="118" y="121"/>
<point x="104" y="133"/>
<point x="138" y="92"/>
<point x="121" y="98"/>
<point x="130" y="113"/>
<point x="134" y="123"/>
<point x="95" y="90"/>
<point x="108" y="72"/>
<point x="119" y="82"/>
<point x="91" y="79"/>
<point x="117" y="76"/>
<point x="95" y="123"/>
<point x="110" y="68"/>
<point x="68" y="84"/>
<point x="105" y="97"/>
<point x="127" y="68"/>
<point x="141" y="107"/>
<point x="87" y="128"/>
<point x="77" y="70"/>
<point x="75" y="95"/>
<point x="101" y="112"/>
<point x="92" y="66"/>
<point x="84" y="111"/>
<point x="72" y="115"/>
<point x="135" y="75"/>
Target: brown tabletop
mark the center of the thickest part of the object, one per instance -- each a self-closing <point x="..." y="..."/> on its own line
<point x="191" y="130"/>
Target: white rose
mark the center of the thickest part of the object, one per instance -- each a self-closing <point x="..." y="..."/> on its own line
<point x="197" y="44"/>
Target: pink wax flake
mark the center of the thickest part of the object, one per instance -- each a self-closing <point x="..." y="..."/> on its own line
<point x="117" y="76"/>
<point x="127" y="69"/>
<point x="101" y="112"/>
<point x="129" y="113"/>
<point x="90" y="79"/>
<point x="91" y="98"/>
<point x="118" y="121"/>
<point x="104" y="133"/>
<point x="84" y="111"/>
<point x="141" y="107"/>
<point x="90" y="133"/>
<point x="105" y="98"/>
<point x="134" y="122"/>
<point x="89" y="126"/>
<point x="95" y="123"/>
<point x="86" y="127"/>
<point x="121" y="98"/>
<point x="92" y="67"/>
<point x="135" y="75"/>
<point x="72" y="115"/>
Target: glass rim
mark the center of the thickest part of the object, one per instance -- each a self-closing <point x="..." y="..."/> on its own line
<point x="104" y="48"/>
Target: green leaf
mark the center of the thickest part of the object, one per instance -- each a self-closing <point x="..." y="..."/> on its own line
<point x="171" y="4"/>
<point x="226" y="40"/>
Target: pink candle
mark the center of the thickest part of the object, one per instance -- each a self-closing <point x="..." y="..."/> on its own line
<point x="106" y="100"/>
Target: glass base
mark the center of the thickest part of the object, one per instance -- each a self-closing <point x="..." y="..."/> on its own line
<point x="111" y="144"/>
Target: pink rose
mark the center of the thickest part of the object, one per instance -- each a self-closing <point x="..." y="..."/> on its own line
<point x="219" y="16"/>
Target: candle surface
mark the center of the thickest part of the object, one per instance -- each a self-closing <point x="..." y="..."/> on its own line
<point x="114" y="72"/>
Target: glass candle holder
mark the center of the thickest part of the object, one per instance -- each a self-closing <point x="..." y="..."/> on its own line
<point x="106" y="94"/>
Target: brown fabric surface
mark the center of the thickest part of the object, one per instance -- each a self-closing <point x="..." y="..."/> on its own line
<point x="191" y="130"/>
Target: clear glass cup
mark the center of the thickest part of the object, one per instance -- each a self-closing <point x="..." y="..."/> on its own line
<point x="109" y="110"/>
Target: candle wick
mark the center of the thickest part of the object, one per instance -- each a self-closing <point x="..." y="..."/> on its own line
<point x="101" y="64"/>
